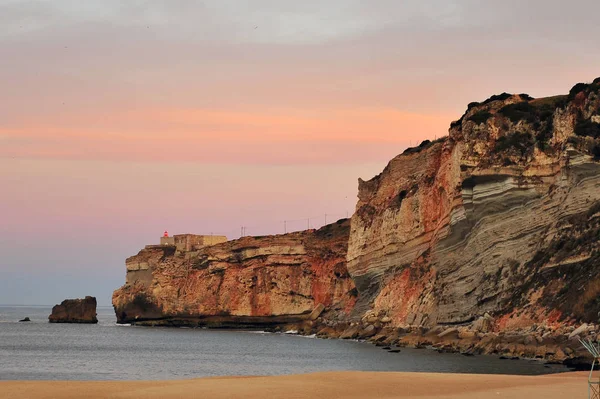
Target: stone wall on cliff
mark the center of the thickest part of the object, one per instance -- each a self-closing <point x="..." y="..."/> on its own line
<point x="252" y="281"/>
<point x="501" y="217"/>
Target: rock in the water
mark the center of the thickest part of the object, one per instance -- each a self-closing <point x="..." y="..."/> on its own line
<point x="25" y="319"/>
<point x="75" y="311"/>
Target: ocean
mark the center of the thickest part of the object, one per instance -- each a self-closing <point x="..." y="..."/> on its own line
<point x="38" y="350"/>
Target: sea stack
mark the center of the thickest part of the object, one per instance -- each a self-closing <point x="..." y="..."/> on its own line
<point x="75" y="311"/>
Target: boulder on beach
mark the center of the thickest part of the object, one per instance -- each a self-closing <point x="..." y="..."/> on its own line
<point x="75" y="311"/>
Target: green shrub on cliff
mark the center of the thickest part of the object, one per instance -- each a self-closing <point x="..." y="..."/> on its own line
<point x="584" y="87"/>
<point x="526" y="97"/>
<point x="518" y="141"/>
<point x="519" y="111"/>
<point x="480" y="117"/>
<point x="539" y="114"/>
<point x="456" y="123"/>
<point x="596" y="151"/>
<point x="579" y="87"/>
<point x="587" y="128"/>
<point x="424" y="145"/>
<point x="495" y="97"/>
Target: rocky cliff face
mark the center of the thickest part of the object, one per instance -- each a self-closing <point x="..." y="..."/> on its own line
<point x="75" y="311"/>
<point x="496" y="225"/>
<point x="483" y="241"/>
<point x="253" y="281"/>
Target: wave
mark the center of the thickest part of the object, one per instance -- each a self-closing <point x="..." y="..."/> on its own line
<point x="309" y="336"/>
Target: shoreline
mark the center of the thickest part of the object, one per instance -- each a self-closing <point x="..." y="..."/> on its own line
<point x="345" y="384"/>
<point x="560" y="348"/>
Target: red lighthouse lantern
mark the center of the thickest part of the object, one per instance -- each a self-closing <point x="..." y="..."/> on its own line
<point x="166" y="234"/>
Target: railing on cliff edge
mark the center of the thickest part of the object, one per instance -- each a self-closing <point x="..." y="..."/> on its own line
<point x="283" y="226"/>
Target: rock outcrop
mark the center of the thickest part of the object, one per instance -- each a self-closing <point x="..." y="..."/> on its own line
<point x="484" y="241"/>
<point x="75" y="311"/>
<point x="249" y="282"/>
<point x="494" y="228"/>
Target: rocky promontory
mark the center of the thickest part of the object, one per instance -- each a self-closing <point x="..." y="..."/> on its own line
<point x="249" y="282"/>
<point x="483" y="241"/>
<point x="487" y="239"/>
<point x="75" y="311"/>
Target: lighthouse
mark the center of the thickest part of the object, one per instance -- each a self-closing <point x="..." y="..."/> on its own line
<point x="166" y="240"/>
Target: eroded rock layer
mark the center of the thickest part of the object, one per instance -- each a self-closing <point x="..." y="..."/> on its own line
<point x="484" y="241"/>
<point x="499" y="219"/>
<point x="253" y="281"/>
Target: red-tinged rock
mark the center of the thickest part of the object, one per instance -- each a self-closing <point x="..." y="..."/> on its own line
<point x="75" y="311"/>
<point x="501" y="216"/>
<point x="249" y="282"/>
<point x="493" y="228"/>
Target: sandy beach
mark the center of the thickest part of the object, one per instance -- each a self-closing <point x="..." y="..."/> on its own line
<point x="346" y="385"/>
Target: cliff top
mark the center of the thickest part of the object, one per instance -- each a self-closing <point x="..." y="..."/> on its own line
<point x="517" y="130"/>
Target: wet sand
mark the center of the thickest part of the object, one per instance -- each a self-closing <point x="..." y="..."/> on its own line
<point x="346" y="385"/>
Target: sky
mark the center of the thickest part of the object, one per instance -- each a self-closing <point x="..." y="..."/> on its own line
<point x="122" y="119"/>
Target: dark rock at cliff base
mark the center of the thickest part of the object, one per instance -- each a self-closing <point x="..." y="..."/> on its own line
<point x="579" y="363"/>
<point x="75" y="311"/>
<point x="25" y="319"/>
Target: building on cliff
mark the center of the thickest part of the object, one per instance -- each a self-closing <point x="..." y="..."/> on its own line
<point x="191" y="242"/>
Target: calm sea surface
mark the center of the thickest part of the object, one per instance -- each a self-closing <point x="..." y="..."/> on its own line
<point x="42" y="351"/>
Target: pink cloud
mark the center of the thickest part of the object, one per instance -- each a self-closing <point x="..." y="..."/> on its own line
<point x="278" y="136"/>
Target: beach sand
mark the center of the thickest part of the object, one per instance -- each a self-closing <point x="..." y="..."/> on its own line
<point x="346" y="385"/>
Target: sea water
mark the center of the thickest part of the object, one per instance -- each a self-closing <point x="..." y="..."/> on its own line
<point x="38" y="350"/>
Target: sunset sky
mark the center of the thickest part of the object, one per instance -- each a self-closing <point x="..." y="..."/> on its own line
<point x="120" y="119"/>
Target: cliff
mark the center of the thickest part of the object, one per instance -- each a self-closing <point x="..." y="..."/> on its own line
<point x="484" y="241"/>
<point x="493" y="228"/>
<point x="75" y="311"/>
<point x="250" y="282"/>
